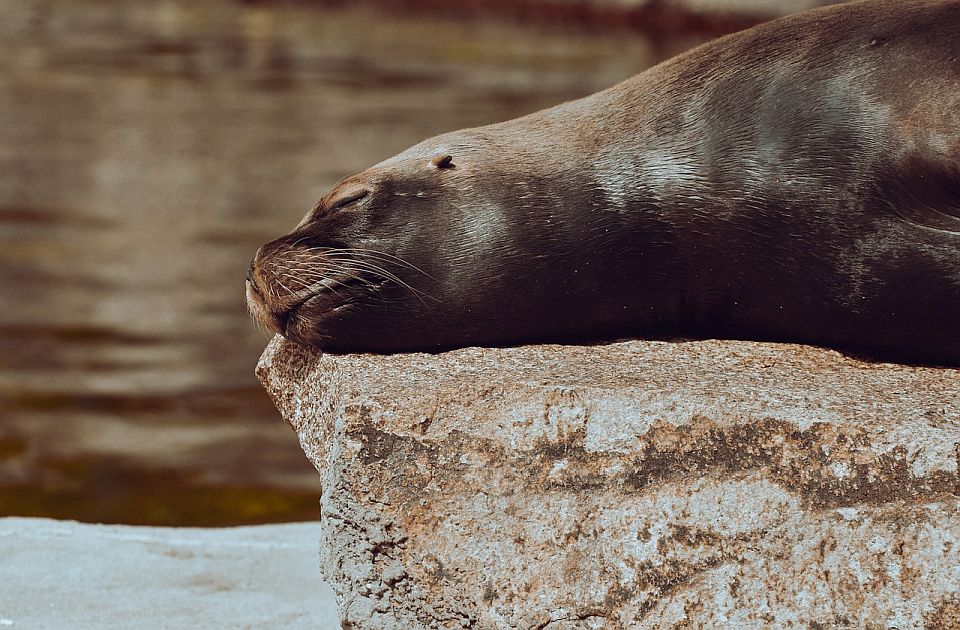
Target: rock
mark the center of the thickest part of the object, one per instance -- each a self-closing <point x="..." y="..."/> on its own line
<point x="631" y="485"/>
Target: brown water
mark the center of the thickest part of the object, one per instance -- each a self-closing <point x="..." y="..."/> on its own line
<point x="146" y="149"/>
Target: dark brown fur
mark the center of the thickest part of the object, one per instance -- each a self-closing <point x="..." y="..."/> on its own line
<point x="797" y="181"/>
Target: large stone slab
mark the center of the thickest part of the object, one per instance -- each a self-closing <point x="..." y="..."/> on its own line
<point x="631" y="485"/>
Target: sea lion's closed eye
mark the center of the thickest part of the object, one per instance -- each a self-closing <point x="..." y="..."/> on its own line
<point x="349" y="198"/>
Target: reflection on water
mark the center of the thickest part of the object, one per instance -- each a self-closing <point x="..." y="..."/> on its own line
<point x="146" y="149"/>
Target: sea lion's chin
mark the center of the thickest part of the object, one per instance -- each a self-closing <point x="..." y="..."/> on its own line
<point x="311" y="323"/>
<point x="260" y="310"/>
<point x="301" y="321"/>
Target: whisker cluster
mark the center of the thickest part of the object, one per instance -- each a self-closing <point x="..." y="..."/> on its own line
<point x="310" y="268"/>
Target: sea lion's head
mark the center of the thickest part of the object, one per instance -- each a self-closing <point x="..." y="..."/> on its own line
<point x="426" y="250"/>
<point x="489" y="236"/>
<point x="362" y="266"/>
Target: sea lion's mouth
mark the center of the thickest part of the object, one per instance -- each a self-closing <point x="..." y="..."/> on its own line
<point x="305" y="308"/>
<point x="325" y="301"/>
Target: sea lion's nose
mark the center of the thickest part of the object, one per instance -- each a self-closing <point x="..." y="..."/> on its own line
<point x="259" y="302"/>
<point x="254" y="277"/>
<point x="254" y="281"/>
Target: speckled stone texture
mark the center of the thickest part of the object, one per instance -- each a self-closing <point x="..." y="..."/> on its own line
<point x="631" y="485"/>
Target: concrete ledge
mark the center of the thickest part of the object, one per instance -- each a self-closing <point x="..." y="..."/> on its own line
<point x="633" y="485"/>
<point x="60" y="574"/>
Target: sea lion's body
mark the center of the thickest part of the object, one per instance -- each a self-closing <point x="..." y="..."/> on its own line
<point x="799" y="181"/>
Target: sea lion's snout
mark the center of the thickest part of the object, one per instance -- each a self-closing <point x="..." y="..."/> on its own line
<point x="299" y="283"/>
<point x="283" y="276"/>
<point x="263" y="303"/>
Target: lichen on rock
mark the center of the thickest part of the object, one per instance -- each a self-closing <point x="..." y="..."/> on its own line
<point x="642" y="484"/>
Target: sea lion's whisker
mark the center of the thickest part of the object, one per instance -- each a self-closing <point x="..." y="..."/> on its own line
<point x="284" y="286"/>
<point x="321" y="279"/>
<point x="303" y="282"/>
<point x="363" y="259"/>
<point x="362" y="265"/>
<point x="371" y="253"/>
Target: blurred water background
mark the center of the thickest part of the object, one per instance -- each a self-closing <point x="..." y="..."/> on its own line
<point x="147" y="148"/>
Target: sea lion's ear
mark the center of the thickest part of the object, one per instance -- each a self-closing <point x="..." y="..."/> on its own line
<point x="443" y="161"/>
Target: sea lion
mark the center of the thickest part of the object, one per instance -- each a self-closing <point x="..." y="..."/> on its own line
<point x="796" y="181"/>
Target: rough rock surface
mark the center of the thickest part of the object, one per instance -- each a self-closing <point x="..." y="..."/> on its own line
<point x="632" y="485"/>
